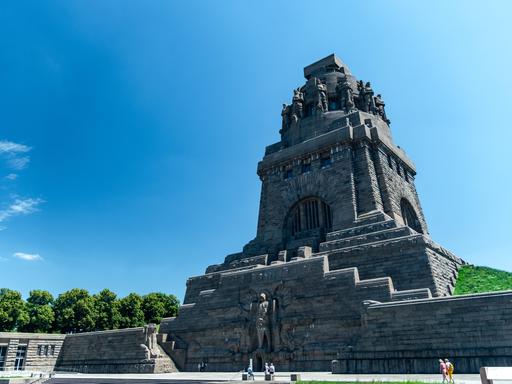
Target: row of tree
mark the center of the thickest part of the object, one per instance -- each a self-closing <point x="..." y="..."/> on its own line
<point x="79" y="311"/>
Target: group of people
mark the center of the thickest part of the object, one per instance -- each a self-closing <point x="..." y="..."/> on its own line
<point x="446" y="369"/>
<point x="269" y="369"/>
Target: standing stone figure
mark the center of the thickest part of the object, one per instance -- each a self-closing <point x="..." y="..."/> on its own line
<point x="379" y="105"/>
<point x="297" y="105"/>
<point x="369" y="105"/>
<point x="346" y="96"/>
<point x="321" y="96"/>
<point x="150" y="343"/>
<point x="263" y="321"/>
<point x="285" y="114"/>
<point x="360" y="98"/>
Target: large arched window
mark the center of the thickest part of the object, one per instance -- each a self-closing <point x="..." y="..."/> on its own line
<point x="409" y="216"/>
<point x="308" y="217"/>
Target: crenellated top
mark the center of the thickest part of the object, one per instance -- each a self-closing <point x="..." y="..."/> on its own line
<point x="330" y="93"/>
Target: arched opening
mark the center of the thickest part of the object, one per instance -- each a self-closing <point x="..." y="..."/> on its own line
<point x="258" y="364"/>
<point x="409" y="216"/>
<point x="308" y="218"/>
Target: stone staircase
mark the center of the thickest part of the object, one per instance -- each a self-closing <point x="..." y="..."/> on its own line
<point x="370" y="228"/>
<point x="174" y="348"/>
<point x="386" y="234"/>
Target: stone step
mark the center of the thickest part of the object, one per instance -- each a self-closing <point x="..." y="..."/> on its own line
<point x="361" y="230"/>
<point x="371" y="217"/>
<point x="386" y="234"/>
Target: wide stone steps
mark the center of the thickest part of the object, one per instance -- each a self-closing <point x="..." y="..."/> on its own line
<point x="361" y="230"/>
<point x="386" y="234"/>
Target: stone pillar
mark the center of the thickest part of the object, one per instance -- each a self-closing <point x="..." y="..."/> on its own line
<point x="367" y="186"/>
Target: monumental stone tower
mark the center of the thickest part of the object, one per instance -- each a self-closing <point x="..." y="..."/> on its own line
<point x="341" y="242"/>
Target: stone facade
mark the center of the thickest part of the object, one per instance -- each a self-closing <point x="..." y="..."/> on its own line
<point x="342" y="267"/>
<point x="131" y="350"/>
<point x="29" y="351"/>
<point x="475" y="331"/>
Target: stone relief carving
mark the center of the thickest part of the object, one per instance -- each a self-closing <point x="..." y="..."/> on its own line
<point x="380" y="106"/>
<point x="263" y="322"/>
<point x="297" y="105"/>
<point x="150" y="343"/>
<point x="321" y="102"/>
<point x="345" y="95"/>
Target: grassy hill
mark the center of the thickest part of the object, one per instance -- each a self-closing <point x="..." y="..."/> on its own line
<point x="473" y="279"/>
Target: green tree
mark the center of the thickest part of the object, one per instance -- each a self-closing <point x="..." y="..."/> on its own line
<point x="157" y="305"/>
<point x="107" y="309"/>
<point x="75" y="311"/>
<point x="40" y="311"/>
<point x="130" y="308"/>
<point x="13" y="311"/>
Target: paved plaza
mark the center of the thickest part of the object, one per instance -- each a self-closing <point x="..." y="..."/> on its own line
<point x="197" y="377"/>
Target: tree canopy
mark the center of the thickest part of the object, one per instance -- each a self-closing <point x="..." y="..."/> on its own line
<point x="77" y="310"/>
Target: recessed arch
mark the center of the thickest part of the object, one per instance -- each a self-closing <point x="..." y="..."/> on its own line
<point x="409" y="215"/>
<point x="308" y="217"/>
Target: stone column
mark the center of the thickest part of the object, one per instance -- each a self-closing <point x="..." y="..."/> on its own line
<point x="367" y="186"/>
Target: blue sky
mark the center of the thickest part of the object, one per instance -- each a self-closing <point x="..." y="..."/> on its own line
<point x="130" y="131"/>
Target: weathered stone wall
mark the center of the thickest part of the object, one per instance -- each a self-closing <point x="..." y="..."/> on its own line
<point x="412" y="261"/>
<point x="367" y="187"/>
<point x="279" y="193"/>
<point x="116" y="351"/>
<point x="396" y="181"/>
<point x="409" y="337"/>
<point x="41" y="350"/>
<point x="311" y="303"/>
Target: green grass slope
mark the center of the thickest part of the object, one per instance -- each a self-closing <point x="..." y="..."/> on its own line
<point x="473" y="279"/>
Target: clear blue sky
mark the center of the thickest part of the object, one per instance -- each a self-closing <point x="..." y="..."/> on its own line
<point x="130" y="130"/>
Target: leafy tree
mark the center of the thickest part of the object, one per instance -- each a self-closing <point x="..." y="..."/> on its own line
<point x="13" y="312"/>
<point x="130" y="308"/>
<point x="107" y="308"/>
<point x="40" y="311"/>
<point x="157" y="305"/>
<point x="75" y="311"/>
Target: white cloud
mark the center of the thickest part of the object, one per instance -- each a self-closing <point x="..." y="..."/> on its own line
<point x="10" y="147"/>
<point x="18" y="163"/>
<point x="11" y="176"/>
<point x="20" y="207"/>
<point x="14" y="154"/>
<point x="27" y="256"/>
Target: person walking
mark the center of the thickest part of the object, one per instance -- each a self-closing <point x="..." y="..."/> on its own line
<point x="272" y="369"/>
<point x="443" y="370"/>
<point x="250" y="373"/>
<point x="450" y="368"/>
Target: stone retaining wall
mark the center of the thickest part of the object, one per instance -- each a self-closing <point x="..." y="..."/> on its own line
<point x="409" y="337"/>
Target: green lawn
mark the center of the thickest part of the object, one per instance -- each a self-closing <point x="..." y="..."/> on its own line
<point x="474" y="279"/>
<point x="363" y="382"/>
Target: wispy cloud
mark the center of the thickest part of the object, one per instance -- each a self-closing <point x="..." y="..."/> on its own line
<point x="11" y="176"/>
<point x="14" y="154"/>
<point x="11" y="147"/>
<point x="18" y="163"/>
<point x="27" y="256"/>
<point x="20" y="207"/>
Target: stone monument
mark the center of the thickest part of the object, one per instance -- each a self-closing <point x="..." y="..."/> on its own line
<point x="342" y="273"/>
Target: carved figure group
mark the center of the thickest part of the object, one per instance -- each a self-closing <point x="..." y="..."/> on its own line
<point x="315" y="94"/>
